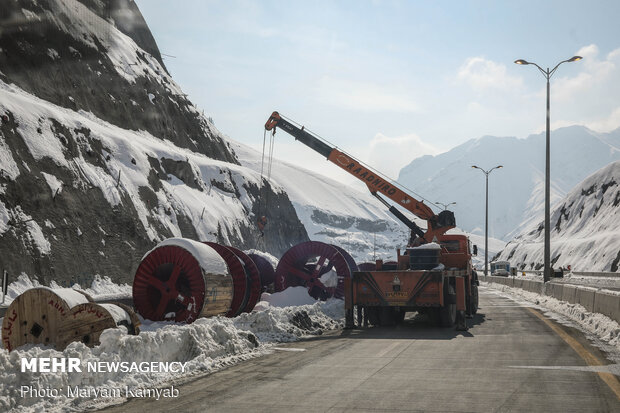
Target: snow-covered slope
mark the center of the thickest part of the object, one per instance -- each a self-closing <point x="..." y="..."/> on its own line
<point x="585" y="232"/>
<point x="332" y="212"/>
<point x="102" y="155"/>
<point x="516" y="192"/>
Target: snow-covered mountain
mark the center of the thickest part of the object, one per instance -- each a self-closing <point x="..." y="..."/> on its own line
<point x="585" y="232"/>
<point x="102" y="156"/>
<point x="516" y="192"/>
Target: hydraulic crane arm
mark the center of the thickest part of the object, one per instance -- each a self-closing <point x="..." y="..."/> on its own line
<point x="437" y="224"/>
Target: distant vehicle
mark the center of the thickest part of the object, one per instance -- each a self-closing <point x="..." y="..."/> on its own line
<point x="500" y="268"/>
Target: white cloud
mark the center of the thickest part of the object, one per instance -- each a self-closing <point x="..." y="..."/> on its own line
<point x="481" y="73"/>
<point x="390" y="154"/>
<point x="594" y="72"/>
<point x="364" y="96"/>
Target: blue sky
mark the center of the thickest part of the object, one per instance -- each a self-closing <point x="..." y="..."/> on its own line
<point x="389" y="81"/>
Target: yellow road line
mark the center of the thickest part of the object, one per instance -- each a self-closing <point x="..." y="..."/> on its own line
<point x="590" y="359"/>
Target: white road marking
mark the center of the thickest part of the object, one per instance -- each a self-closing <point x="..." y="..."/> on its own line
<point x="291" y="349"/>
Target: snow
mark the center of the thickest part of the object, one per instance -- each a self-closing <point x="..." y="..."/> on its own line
<point x="54" y="183"/>
<point x="71" y="297"/>
<point x="270" y="258"/>
<point x="516" y="192"/>
<point x="118" y="314"/>
<point x="292" y="296"/>
<point x="100" y="288"/>
<point x="210" y="260"/>
<point x="121" y="177"/>
<point x="8" y="167"/>
<point x="4" y="218"/>
<point x="585" y="228"/>
<point x="205" y="346"/>
<point x="429" y="246"/>
<point x="317" y="199"/>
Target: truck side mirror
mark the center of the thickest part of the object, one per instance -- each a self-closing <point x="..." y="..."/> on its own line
<point x="475" y="250"/>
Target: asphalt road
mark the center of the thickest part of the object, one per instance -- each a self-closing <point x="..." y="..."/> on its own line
<point x="511" y="359"/>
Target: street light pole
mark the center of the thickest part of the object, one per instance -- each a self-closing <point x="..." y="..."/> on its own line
<point x="547" y="253"/>
<point x="486" y="217"/>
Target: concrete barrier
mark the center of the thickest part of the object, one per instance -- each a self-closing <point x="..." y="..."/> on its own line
<point x="585" y="298"/>
<point x="569" y="294"/>
<point x="607" y="304"/>
<point x="592" y="300"/>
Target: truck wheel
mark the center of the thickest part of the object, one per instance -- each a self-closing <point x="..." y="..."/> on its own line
<point x="447" y="313"/>
<point x="472" y="302"/>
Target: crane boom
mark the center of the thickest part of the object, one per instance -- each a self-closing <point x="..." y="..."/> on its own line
<point x="437" y="224"/>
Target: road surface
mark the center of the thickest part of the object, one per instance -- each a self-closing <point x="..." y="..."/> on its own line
<point x="511" y="359"/>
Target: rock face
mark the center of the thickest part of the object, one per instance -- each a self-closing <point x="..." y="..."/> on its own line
<point x="102" y="155"/>
<point x="585" y="232"/>
<point x="82" y="56"/>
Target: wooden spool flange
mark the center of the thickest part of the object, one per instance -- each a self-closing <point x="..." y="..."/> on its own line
<point x="85" y="323"/>
<point x="35" y="316"/>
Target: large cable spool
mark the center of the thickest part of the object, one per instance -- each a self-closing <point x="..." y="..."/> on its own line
<point x="304" y="264"/>
<point x="85" y="323"/>
<point x="35" y="316"/>
<point x="252" y="273"/>
<point x="182" y="280"/>
<point x="237" y="270"/>
<point x="267" y="273"/>
<point x="347" y="257"/>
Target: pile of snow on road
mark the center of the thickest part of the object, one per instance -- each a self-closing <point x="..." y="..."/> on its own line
<point x="206" y="345"/>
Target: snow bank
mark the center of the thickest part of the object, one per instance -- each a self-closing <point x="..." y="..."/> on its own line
<point x="290" y="297"/>
<point x="206" y="345"/>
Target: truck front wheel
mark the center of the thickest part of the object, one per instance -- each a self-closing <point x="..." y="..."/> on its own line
<point x="472" y="302"/>
<point x="447" y="313"/>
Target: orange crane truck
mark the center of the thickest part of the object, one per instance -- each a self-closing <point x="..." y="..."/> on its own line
<point x="435" y="276"/>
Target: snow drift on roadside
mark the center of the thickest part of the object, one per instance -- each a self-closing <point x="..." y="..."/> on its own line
<point x="206" y="345"/>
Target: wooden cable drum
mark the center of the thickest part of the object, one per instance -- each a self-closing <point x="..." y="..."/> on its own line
<point x="265" y="269"/>
<point x="182" y="280"/>
<point x="252" y="273"/>
<point x="85" y="323"/>
<point x="35" y="316"/>
<point x="237" y="270"/>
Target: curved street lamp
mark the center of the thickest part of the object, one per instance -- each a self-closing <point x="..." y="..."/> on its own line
<point x="486" y="217"/>
<point x="445" y="206"/>
<point x="547" y="74"/>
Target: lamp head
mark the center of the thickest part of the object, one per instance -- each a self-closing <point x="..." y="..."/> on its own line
<point x="522" y="62"/>
<point x="574" y="59"/>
